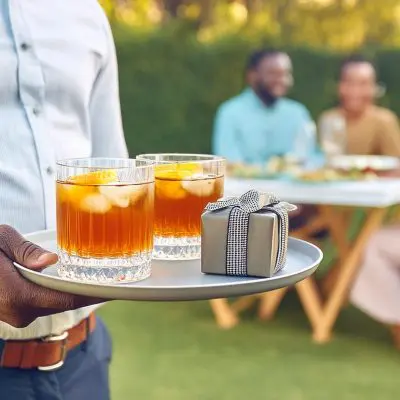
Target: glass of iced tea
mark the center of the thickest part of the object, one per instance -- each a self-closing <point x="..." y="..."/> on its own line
<point x="105" y="215"/>
<point x="185" y="184"/>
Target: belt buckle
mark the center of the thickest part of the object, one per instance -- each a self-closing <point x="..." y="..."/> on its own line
<point x="63" y="341"/>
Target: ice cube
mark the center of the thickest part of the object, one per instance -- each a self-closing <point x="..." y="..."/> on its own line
<point x="117" y="195"/>
<point x="123" y="195"/>
<point x="199" y="187"/>
<point x="219" y="186"/>
<point x="138" y="192"/>
<point x="95" y="203"/>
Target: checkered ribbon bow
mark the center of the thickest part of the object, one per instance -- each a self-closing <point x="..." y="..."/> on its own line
<point x="238" y="225"/>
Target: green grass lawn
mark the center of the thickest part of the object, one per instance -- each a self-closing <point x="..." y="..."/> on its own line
<point x="174" y="351"/>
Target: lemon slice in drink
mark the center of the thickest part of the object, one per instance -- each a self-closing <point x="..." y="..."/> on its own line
<point x="78" y="188"/>
<point x="102" y="177"/>
<point x="169" y="178"/>
<point x="177" y="171"/>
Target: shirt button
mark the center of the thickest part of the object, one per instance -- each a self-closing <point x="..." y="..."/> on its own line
<point x="36" y="111"/>
<point x="24" y="46"/>
<point x="49" y="170"/>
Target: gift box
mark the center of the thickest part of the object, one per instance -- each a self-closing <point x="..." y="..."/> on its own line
<point x="245" y="236"/>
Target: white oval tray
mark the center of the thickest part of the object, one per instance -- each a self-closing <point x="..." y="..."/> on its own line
<point x="179" y="280"/>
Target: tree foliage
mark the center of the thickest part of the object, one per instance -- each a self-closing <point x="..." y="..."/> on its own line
<point x="338" y="24"/>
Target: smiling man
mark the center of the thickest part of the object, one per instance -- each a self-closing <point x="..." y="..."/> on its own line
<point x="261" y="122"/>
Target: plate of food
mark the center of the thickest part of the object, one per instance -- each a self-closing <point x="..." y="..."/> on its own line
<point x="364" y="163"/>
<point x="333" y="175"/>
<point x="276" y="167"/>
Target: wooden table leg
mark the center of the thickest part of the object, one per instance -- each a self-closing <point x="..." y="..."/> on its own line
<point x="244" y="303"/>
<point x="330" y="312"/>
<point x="310" y="299"/>
<point x="337" y="223"/>
<point x="226" y="318"/>
<point x="307" y="289"/>
<point x="337" y="226"/>
<point x="315" y="224"/>
<point x="269" y="303"/>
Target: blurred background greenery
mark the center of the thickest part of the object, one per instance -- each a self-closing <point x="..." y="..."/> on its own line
<point x="178" y="60"/>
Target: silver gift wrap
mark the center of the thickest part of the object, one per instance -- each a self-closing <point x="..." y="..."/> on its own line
<point x="245" y="236"/>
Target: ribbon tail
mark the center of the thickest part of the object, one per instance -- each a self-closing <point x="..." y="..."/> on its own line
<point x="283" y="233"/>
<point x="236" y="251"/>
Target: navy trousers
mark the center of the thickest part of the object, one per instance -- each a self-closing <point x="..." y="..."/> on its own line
<point x="84" y="375"/>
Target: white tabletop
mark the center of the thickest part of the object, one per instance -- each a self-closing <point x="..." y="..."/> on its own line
<point x="377" y="193"/>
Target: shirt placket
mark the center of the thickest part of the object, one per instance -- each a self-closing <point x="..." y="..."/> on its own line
<point x="31" y="90"/>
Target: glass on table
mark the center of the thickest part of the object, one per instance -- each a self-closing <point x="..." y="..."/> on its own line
<point x="185" y="184"/>
<point x="333" y="135"/>
<point x="105" y="214"/>
<point x="303" y="149"/>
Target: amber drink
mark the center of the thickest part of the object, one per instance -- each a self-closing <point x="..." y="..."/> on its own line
<point x="185" y="184"/>
<point x="105" y="216"/>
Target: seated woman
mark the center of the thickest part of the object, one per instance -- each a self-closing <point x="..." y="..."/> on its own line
<point x="377" y="287"/>
<point x="357" y="125"/>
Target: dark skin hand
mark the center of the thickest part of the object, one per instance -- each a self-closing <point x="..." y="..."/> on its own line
<point x="22" y="302"/>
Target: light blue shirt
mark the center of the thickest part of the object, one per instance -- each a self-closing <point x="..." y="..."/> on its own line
<point x="58" y="99"/>
<point x="248" y="131"/>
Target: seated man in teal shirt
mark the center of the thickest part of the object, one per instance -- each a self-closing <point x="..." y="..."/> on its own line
<point x="260" y="122"/>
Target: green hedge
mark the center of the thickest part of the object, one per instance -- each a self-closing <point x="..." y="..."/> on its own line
<point x="170" y="87"/>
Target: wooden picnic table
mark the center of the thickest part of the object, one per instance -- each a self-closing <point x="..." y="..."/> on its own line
<point x="336" y="202"/>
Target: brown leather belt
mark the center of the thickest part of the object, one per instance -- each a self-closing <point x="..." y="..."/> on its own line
<point x="45" y="354"/>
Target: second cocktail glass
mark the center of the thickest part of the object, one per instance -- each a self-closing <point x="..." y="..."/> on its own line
<point x="185" y="184"/>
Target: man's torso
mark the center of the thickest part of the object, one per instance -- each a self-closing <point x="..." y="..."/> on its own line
<point x="50" y="56"/>
<point x="263" y="131"/>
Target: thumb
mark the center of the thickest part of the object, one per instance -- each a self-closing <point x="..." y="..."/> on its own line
<point x="44" y="259"/>
<point x="20" y="250"/>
